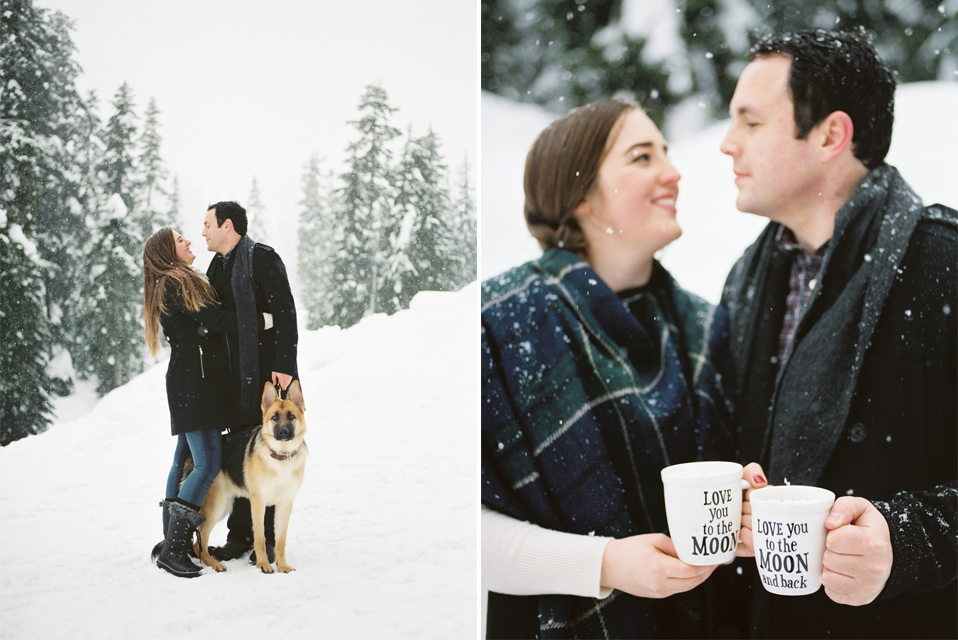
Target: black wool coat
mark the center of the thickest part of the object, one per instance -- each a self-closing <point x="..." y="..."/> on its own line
<point x="277" y="346"/>
<point x="198" y="377"/>
<point x="866" y="403"/>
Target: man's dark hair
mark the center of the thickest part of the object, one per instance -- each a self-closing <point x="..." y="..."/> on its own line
<point x="838" y="72"/>
<point x="230" y="210"/>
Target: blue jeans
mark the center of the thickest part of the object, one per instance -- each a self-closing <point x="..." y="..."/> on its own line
<point x="206" y="448"/>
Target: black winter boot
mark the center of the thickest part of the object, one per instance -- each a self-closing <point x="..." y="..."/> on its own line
<point x="166" y="525"/>
<point x="270" y="555"/>
<point x="234" y="548"/>
<point x="179" y="537"/>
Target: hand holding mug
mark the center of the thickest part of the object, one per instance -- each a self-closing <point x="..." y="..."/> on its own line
<point x="858" y="553"/>
<point x="648" y="567"/>
<point x="755" y="476"/>
<point x="703" y="505"/>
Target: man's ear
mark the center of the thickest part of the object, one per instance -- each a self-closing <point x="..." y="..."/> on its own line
<point x="227" y="225"/>
<point x="837" y="131"/>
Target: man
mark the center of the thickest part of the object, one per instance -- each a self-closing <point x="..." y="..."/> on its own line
<point x="250" y="278"/>
<point x="843" y="337"/>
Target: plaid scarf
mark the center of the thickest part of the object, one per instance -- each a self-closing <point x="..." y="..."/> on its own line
<point x="585" y="397"/>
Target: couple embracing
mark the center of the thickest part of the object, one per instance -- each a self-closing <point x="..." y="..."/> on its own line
<point x="831" y="362"/>
<point x="230" y="331"/>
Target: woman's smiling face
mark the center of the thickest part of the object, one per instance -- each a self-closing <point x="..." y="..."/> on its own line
<point x="183" y="249"/>
<point x="632" y="202"/>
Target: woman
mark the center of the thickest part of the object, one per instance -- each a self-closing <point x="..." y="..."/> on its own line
<point x="597" y="371"/>
<point x="181" y="301"/>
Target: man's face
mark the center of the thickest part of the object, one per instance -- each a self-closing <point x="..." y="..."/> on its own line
<point x="776" y="174"/>
<point x="214" y="234"/>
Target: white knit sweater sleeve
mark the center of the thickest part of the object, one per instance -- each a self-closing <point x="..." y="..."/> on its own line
<point x="523" y="559"/>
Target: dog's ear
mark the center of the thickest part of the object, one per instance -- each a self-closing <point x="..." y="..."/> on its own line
<point x="269" y="395"/>
<point x="295" y="395"/>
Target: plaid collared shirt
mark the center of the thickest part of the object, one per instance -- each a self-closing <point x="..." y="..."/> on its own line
<point x="801" y="284"/>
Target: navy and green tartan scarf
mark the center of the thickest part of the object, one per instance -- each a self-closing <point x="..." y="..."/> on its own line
<point x="585" y="397"/>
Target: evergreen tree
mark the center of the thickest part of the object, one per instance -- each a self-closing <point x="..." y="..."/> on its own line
<point x="89" y="159"/>
<point x="173" y="212"/>
<point x="118" y="161"/>
<point x="423" y="255"/>
<point x="108" y="340"/>
<point x="37" y="100"/>
<point x="111" y="327"/>
<point x="319" y="237"/>
<point x="564" y="53"/>
<point x="88" y="199"/>
<point x="365" y="197"/>
<point x="25" y="406"/>
<point x="256" y="216"/>
<point x="548" y="52"/>
<point x="152" y="214"/>
<point x="464" y="226"/>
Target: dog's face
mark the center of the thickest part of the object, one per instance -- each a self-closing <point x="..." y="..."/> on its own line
<point x="283" y="420"/>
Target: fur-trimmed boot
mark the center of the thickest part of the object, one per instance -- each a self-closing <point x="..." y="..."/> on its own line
<point x="174" y="558"/>
<point x="166" y="525"/>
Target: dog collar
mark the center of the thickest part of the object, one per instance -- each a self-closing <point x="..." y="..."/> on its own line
<point x="279" y="457"/>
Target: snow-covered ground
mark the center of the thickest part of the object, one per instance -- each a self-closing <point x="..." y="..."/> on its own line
<point x="924" y="148"/>
<point x="383" y="532"/>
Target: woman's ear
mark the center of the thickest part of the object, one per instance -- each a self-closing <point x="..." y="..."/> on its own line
<point x="837" y="131"/>
<point x="583" y="208"/>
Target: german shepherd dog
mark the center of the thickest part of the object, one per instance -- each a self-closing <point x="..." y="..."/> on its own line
<point x="268" y="469"/>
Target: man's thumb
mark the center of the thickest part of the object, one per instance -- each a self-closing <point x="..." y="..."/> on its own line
<point x="845" y="511"/>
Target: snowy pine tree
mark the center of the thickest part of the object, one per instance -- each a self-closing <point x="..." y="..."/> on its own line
<point x="111" y="323"/>
<point x="365" y="210"/>
<point x="37" y="100"/>
<point x="320" y="235"/>
<point x="25" y="407"/>
<point x="153" y="212"/>
<point x="422" y="256"/>
<point x="119" y="163"/>
<point x="173" y="212"/>
<point x="88" y="198"/>
<point x="108" y="340"/>
<point x="564" y="53"/>
<point x="918" y="39"/>
<point x="464" y="227"/>
<point x="256" y="216"/>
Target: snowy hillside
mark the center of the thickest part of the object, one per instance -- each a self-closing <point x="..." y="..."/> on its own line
<point x="382" y="536"/>
<point x="924" y="148"/>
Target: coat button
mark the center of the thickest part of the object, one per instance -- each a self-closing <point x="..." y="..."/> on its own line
<point x="857" y="433"/>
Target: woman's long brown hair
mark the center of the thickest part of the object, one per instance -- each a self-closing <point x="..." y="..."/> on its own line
<point x="160" y="268"/>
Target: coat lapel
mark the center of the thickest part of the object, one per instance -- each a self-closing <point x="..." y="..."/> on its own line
<point x="817" y="383"/>
<point x="219" y="275"/>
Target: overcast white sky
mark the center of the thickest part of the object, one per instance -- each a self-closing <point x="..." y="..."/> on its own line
<point x="253" y="89"/>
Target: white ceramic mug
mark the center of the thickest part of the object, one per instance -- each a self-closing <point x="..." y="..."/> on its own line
<point x="788" y="534"/>
<point x="703" y="504"/>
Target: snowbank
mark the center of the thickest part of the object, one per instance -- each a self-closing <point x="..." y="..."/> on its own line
<point x="383" y="533"/>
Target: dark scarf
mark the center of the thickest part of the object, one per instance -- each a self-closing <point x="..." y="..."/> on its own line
<point x="585" y="398"/>
<point x="243" y="294"/>
<point x="813" y="390"/>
